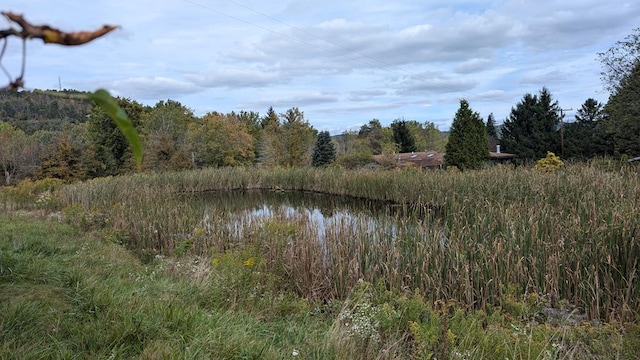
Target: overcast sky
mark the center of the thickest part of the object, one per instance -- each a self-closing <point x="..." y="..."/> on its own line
<point x="341" y="62"/>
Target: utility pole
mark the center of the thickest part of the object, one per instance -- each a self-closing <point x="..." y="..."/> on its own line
<point x="562" y="130"/>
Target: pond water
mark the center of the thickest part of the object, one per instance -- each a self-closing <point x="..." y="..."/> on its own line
<point x="241" y="214"/>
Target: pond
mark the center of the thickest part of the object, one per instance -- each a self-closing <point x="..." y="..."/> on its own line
<point x="242" y="215"/>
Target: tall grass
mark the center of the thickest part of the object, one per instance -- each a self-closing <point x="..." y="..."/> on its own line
<point x="569" y="236"/>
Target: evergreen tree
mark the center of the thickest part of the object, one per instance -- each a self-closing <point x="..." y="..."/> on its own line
<point x="590" y="111"/>
<point x="491" y="126"/>
<point x="532" y="127"/>
<point x="403" y="137"/>
<point x="270" y="119"/>
<point x="110" y="148"/>
<point x="492" y="135"/>
<point x="467" y="147"/>
<point x="324" y="153"/>
<point x="587" y="137"/>
<point x="623" y="115"/>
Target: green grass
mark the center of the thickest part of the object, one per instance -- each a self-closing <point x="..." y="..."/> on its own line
<point x="66" y="294"/>
<point x="70" y="294"/>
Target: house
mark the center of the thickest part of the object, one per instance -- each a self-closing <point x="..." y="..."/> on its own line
<point x="499" y="157"/>
<point x="420" y="160"/>
<point x="434" y="160"/>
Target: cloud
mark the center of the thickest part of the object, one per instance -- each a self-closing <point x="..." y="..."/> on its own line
<point x="236" y="77"/>
<point x="340" y="61"/>
<point x="365" y="95"/>
<point x="152" y="88"/>
<point x="429" y="84"/>
<point x="300" y="100"/>
<point x="472" y="66"/>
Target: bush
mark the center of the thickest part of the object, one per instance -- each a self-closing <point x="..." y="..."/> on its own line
<point x="34" y="194"/>
<point x="549" y="163"/>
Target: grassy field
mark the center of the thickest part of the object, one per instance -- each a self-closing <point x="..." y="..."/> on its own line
<point x="536" y="266"/>
<point x="569" y="236"/>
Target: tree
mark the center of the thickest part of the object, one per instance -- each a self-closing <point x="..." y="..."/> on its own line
<point x="532" y="127"/>
<point x="111" y="148"/>
<point x="252" y="121"/>
<point x="298" y="136"/>
<point x="590" y="111"/>
<point x="62" y="164"/>
<point x="379" y="138"/>
<point x="619" y="62"/>
<point x="324" y="153"/>
<point x="51" y="35"/>
<point x="621" y="76"/>
<point x="492" y="134"/>
<point x="402" y="136"/>
<point x="221" y="140"/>
<point x="587" y="136"/>
<point x="436" y="140"/>
<point x="417" y="133"/>
<point x="623" y="115"/>
<point x="14" y="149"/>
<point x="372" y="132"/>
<point x="467" y="146"/>
<point x="165" y="132"/>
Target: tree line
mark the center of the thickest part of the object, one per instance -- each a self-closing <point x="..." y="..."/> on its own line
<point x="45" y="134"/>
<point x="84" y="142"/>
<point x="536" y="124"/>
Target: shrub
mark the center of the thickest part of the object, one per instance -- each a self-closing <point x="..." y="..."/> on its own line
<point x="549" y="163"/>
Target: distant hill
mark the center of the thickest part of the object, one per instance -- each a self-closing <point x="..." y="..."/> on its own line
<point x="36" y="110"/>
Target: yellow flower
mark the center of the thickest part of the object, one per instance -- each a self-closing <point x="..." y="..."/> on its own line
<point x="215" y="261"/>
<point x="250" y="261"/>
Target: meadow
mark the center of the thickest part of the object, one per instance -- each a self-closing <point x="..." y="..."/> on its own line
<point x="506" y="263"/>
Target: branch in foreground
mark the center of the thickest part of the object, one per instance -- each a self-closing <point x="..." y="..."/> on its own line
<point x="51" y="35"/>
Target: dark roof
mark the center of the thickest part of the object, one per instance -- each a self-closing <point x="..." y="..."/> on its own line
<point x="501" y="155"/>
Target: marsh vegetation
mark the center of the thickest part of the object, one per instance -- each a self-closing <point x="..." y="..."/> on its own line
<point x="502" y="262"/>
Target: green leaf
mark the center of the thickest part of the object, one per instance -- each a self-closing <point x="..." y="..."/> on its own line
<point x="103" y="99"/>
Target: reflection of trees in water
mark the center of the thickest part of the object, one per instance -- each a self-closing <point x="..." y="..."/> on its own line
<point x="254" y="200"/>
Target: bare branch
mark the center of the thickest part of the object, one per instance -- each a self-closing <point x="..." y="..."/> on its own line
<point x="48" y="34"/>
<point x="52" y="35"/>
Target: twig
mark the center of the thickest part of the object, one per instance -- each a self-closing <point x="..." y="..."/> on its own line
<point x="48" y="34"/>
<point x="51" y="35"/>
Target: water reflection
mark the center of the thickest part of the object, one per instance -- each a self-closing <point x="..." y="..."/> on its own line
<point x="322" y="216"/>
<point x="324" y="205"/>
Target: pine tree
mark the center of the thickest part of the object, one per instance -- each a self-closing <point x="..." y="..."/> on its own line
<point x="623" y="114"/>
<point x="112" y="152"/>
<point x="587" y="136"/>
<point x="402" y="136"/>
<point x="492" y="135"/>
<point x="466" y="147"/>
<point x="324" y="153"/>
<point x="532" y="127"/>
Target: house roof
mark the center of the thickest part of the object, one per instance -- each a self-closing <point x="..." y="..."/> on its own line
<point x="430" y="159"/>
<point x="501" y="155"/>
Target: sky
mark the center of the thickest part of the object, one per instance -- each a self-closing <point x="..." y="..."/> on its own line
<point x="341" y="62"/>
